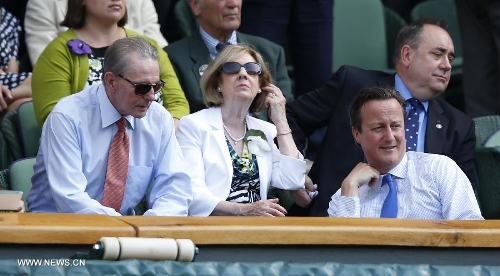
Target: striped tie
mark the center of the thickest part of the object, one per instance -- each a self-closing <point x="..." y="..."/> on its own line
<point x="117" y="169"/>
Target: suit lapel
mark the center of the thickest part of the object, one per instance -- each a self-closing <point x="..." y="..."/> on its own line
<point x="198" y="52"/>
<point x="215" y="121"/>
<point x="241" y="38"/>
<point x="264" y="162"/>
<point x="437" y="125"/>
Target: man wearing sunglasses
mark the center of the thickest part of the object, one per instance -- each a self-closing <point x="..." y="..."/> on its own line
<point x="103" y="147"/>
<point x="218" y="22"/>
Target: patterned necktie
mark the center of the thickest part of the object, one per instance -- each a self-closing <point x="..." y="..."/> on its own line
<point x="117" y="169"/>
<point x="390" y="206"/>
<point x="221" y="46"/>
<point x="411" y="124"/>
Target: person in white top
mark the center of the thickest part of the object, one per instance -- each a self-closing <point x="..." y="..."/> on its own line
<point x="232" y="157"/>
<point x="428" y="186"/>
<point x="42" y="18"/>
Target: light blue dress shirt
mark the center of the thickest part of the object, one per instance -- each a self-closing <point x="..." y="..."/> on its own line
<point x="211" y="42"/>
<point x="422" y="118"/>
<point x="430" y="186"/>
<point x="70" y="167"/>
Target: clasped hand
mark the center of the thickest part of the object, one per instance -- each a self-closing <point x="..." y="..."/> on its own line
<point x="6" y="98"/>
<point x="301" y="197"/>
<point x="266" y="208"/>
<point x="360" y="175"/>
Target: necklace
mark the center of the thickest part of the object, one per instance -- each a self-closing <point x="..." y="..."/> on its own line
<point x="231" y="136"/>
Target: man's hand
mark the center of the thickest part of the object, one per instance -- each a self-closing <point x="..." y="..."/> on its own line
<point x="20" y="208"/>
<point x="360" y="175"/>
<point x="302" y="197"/>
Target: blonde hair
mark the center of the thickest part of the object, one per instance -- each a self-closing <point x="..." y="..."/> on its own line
<point x="210" y="81"/>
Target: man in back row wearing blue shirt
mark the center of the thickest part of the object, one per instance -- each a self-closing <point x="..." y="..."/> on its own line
<point x="73" y="173"/>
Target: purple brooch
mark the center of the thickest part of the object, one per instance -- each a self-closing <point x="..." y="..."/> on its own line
<point x="79" y="47"/>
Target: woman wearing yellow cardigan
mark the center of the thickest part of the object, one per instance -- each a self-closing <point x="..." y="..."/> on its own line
<point x="73" y="60"/>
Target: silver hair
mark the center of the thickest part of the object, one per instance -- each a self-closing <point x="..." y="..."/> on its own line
<point x="119" y="54"/>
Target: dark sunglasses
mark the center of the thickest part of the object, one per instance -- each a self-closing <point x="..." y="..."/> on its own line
<point x="142" y="89"/>
<point x="232" y="67"/>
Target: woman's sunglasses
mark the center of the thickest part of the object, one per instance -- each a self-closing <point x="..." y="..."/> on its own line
<point x="232" y="67"/>
<point x="142" y="89"/>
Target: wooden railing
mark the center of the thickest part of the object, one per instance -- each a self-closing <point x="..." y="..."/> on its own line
<point x="30" y="228"/>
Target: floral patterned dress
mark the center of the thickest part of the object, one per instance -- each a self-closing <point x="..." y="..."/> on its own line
<point x="96" y="60"/>
<point x="9" y="47"/>
<point x="245" y="186"/>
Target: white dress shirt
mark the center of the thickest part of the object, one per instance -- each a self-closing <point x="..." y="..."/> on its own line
<point x="430" y="186"/>
<point x="70" y="168"/>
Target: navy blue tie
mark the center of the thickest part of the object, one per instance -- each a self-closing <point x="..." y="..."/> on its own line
<point x="221" y="46"/>
<point x="411" y="124"/>
<point x="390" y="206"/>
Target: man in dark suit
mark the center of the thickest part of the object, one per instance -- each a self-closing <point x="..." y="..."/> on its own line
<point x="423" y="56"/>
<point x="218" y="23"/>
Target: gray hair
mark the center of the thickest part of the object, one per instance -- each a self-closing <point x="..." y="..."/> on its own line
<point x="410" y="35"/>
<point x="119" y="54"/>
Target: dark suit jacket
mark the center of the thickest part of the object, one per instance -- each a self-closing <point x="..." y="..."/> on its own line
<point x="339" y="154"/>
<point x="189" y="54"/>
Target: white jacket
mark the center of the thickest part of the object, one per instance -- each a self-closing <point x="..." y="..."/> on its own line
<point x="42" y="18"/>
<point x="202" y="140"/>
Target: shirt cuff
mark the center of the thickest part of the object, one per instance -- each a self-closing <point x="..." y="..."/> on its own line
<point x="349" y="207"/>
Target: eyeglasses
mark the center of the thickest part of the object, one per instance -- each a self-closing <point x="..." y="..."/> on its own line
<point x="232" y="67"/>
<point x="142" y="89"/>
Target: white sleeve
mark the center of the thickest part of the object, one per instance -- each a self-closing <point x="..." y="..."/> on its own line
<point x="41" y="25"/>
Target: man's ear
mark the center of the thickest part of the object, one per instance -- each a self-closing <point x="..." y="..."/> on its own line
<point x="355" y="134"/>
<point x="110" y="82"/>
<point x="406" y="55"/>
<point x="195" y="7"/>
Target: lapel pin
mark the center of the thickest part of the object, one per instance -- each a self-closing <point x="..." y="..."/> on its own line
<point x="438" y="125"/>
<point x="202" y="69"/>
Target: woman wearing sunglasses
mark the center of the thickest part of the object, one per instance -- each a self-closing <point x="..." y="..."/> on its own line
<point x="74" y="59"/>
<point x="232" y="157"/>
